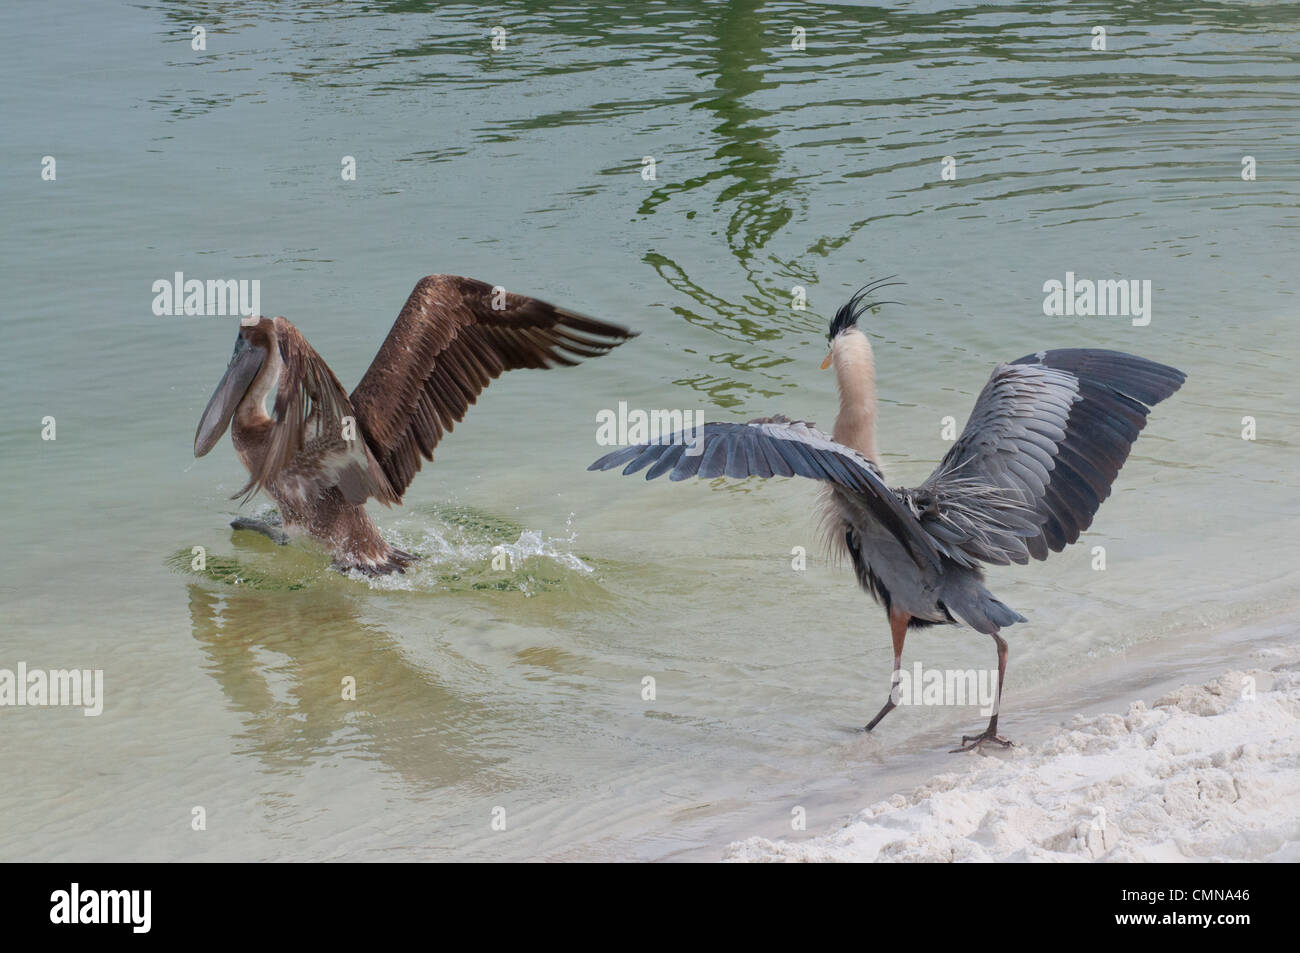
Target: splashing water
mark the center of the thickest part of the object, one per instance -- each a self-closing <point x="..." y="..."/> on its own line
<point x="461" y="559"/>
<point x="464" y="554"/>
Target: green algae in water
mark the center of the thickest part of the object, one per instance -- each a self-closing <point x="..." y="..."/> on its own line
<point x="231" y="572"/>
<point x="473" y="523"/>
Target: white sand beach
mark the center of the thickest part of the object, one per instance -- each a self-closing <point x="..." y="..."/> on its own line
<point x="1206" y="772"/>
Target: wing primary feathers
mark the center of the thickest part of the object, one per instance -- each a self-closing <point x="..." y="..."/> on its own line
<point x="778" y="447"/>
<point x="453" y="337"/>
<point x="1047" y="436"/>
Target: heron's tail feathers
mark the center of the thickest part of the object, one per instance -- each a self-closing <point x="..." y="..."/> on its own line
<point x="969" y="601"/>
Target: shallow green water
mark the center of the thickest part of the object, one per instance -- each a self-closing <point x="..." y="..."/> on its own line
<point x="521" y="688"/>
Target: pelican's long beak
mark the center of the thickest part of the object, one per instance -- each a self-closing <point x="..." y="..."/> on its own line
<point x="827" y="363"/>
<point x="244" y="365"/>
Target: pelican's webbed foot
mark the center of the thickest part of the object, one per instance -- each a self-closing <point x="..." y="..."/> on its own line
<point x="266" y="528"/>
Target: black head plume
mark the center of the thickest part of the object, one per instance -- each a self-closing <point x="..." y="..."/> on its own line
<point x="858" y="305"/>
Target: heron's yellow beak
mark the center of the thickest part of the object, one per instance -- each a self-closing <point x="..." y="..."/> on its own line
<point x="827" y="363"/>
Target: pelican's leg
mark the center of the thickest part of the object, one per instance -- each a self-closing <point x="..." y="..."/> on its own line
<point x="898" y="630"/>
<point x="970" y="742"/>
<point x="273" y="532"/>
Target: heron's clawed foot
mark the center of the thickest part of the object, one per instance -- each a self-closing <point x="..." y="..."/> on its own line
<point x="272" y="532"/>
<point x="971" y="742"/>
<point x="889" y="706"/>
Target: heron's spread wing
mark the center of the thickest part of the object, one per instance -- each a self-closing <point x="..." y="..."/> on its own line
<point x="1043" y="444"/>
<point x="448" y="344"/>
<point x="311" y="447"/>
<point x="776" y="446"/>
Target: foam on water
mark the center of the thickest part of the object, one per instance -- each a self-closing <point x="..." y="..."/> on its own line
<point x="449" y="560"/>
<point x="466" y="550"/>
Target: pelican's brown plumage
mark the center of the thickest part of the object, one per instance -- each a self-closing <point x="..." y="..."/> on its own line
<point x="321" y="453"/>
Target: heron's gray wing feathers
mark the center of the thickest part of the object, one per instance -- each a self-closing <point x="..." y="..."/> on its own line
<point x="776" y="446"/>
<point x="1044" y="442"/>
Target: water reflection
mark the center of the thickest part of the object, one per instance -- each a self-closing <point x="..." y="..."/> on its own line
<point x="281" y="657"/>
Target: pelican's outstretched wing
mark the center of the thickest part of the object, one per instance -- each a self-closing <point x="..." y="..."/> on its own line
<point x="450" y="342"/>
<point x="1045" y="440"/>
<point x="310" y="447"/>
<point x="777" y="446"/>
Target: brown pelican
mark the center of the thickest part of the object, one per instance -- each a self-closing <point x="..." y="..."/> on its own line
<point x="1045" y="440"/>
<point x="322" y="453"/>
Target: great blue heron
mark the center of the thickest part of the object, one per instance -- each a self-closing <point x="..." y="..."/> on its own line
<point x="323" y="453"/>
<point x="1045" y="440"/>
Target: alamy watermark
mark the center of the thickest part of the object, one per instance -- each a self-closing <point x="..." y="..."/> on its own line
<point x="946" y="686"/>
<point x="1108" y="297"/>
<point x="624" y="427"/>
<point x="76" y="905"/>
<point x="40" y="688"/>
<point x="179" y="296"/>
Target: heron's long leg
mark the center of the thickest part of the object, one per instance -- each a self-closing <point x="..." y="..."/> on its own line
<point x="898" y="630"/>
<point x="1002" y="672"/>
<point x="260" y="526"/>
<point x="991" y="732"/>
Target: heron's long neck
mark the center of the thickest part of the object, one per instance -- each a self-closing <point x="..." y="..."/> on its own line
<point x="855" y="373"/>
